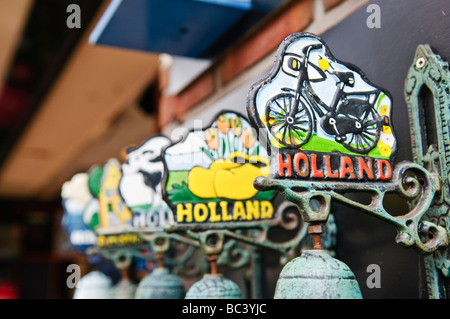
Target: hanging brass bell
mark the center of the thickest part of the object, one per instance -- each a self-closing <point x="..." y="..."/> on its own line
<point x="317" y="275"/>
<point x="94" y="285"/>
<point x="160" y="284"/>
<point x="214" y="286"/>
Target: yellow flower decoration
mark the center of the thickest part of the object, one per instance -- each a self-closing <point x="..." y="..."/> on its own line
<point x="324" y="64"/>
<point x="384" y="149"/>
<point x="387" y="129"/>
<point x="384" y="110"/>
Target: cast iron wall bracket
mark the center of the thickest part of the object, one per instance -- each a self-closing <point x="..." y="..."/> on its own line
<point x="427" y="94"/>
<point x="410" y="180"/>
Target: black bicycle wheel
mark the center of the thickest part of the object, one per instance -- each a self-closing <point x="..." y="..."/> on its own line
<point x="293" y="131"/>
<point x="366" y="138"/>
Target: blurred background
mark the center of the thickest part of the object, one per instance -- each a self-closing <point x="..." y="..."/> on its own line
<point x="71" y="98"/>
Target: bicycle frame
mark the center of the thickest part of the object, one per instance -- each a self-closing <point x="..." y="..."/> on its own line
<point x="348" y="113"/>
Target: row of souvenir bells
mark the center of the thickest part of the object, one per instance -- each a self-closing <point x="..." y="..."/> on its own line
<point x="313" y="275"/>
<point x="159" y="284"/>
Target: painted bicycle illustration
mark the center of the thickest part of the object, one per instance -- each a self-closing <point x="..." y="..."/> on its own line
<point x="293" y="115"/>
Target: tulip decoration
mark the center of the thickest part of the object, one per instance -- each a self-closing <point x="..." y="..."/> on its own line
<point x="235" y="161"/>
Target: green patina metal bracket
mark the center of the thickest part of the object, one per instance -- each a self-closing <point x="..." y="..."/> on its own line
<point x="166" y="250"/>
<point x="427" y="94"/>
<point x="410" y="180"/>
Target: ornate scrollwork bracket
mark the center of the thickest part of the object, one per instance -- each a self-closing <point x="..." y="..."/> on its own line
<point x="410" y="180"/>
<point x="175" y="251"/>
<point x="427" y="94"/>
<point x="232" y="245"/>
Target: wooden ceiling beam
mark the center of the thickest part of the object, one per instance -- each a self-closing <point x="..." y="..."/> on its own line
<point x="95" y="87"/>
<point x="13" y="18"/>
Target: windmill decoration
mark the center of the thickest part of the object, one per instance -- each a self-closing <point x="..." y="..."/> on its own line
<point x="110" y="218"/>
<point x="328" y="131"/>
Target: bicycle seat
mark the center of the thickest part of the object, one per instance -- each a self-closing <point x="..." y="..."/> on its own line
<point x="346" y="77"/>
<point x="312" y="47"/>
